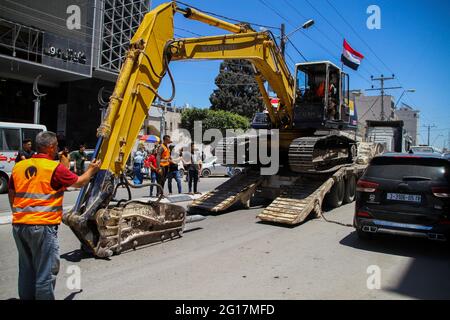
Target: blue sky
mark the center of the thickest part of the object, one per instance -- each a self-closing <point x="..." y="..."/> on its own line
<point x="413" y="43"/>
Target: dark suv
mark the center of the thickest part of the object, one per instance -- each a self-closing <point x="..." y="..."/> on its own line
<point x="404" y="194"/>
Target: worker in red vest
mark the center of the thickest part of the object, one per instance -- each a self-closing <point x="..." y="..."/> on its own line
<point x="36" y="191"/>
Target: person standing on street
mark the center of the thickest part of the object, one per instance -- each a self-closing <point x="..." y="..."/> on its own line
<point x="173" y="173"/>
<point x="194" y="169"/>
<point x="79" y="158"/>
<point x="162" y="161"/>
<point x="138" y="163"/>
<point x="26" y="152"/>
<point x="150" y="163"/>
<point x="36" y="190"/>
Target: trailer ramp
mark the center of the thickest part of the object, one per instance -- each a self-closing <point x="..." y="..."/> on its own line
<point x="296" y="202"/>
<point x="239" y="188"/>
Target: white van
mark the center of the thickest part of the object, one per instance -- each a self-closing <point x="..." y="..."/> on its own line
<point x="11" y="137"/>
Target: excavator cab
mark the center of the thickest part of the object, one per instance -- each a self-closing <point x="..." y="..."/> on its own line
<point x="321" y="99"/>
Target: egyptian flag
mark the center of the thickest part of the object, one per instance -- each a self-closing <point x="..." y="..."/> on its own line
<point x="350" y="57"/>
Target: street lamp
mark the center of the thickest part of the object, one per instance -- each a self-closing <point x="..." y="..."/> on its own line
<point x="407" y="90"/>
<point x="305" y="26"/>
<point x="285" y="38"/>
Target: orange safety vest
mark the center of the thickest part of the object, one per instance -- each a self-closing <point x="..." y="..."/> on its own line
<point x="35" y="201"/>
<point x="164" y="156"/>
<point x="320" y="92"/>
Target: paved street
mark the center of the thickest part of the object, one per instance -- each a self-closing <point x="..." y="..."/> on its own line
<point x="233" y="256"/>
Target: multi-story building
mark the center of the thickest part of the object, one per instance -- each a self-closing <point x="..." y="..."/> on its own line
<point x="162" y="120"/>
<point x="76" y="47"/>
<point x="410" y="117"/>
<point x="372" y="108"/>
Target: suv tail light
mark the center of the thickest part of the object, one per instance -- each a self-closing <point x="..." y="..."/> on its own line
<point x="441" y="192"/>
<point x="366" y="186"/>
<point x="363" y="214"/>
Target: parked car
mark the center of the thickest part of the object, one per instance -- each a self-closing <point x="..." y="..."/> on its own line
<point x="89" y="152"/>
<point x="424" y="149"/>
<point x="404" y="194"/>
<point x="210" y="167"/>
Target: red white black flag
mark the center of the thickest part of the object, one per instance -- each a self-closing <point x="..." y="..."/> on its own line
<point x="350" y="57"/>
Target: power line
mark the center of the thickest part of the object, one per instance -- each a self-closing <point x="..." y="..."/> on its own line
<point x="322" y="33"/>
<point x="309" y="37"/>
<point x="191" y="32"/>
<point x="429" y="127"/>
<point x="227" y="18"/>
<point x="357" y="34"/>
<point x="337" y="31"/>
<point x="370" y="108"/>
<point x="296" y="49"/>
<point x="382" y="79"/>
<point x="362" y="40"/>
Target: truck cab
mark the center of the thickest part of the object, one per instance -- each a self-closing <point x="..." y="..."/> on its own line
<point x="322" y="97"/>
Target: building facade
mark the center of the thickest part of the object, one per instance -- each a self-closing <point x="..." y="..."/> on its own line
<point x="71" y="51"/>
<point x="372" y="108"/>
<point x="410" y="119"/>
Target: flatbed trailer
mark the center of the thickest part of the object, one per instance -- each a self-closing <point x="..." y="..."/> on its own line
<point x="300" y="196"/>
<point x="294" y="196"/>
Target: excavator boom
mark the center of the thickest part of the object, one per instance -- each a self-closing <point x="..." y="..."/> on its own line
<point x="105" y="229"/>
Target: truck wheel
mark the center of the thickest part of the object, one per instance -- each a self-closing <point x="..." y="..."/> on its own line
<point x="3" y="185"/>
<point x="335" y="197"/>
<point x="350" y="189"/>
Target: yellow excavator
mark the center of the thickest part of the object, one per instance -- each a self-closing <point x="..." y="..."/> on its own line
<point x="311" y="138"/>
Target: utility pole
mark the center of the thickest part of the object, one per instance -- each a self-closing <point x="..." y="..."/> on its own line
<point x="448" y="140"/>
<point x="429" y="128"/>
<point x="283" y="39"/>
<point x="37" y="101"/>
<point x="382" y="89"/>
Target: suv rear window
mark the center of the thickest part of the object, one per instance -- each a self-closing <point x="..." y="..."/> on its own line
<point x="398" y="168"/>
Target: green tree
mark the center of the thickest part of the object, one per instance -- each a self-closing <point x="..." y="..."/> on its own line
<point x="237" y="90"/>
<point x="212" y="119"/>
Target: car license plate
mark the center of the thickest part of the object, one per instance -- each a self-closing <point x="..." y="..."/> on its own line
<point x="404" y="197"/>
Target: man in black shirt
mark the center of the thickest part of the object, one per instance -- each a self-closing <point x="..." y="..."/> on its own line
<point x="26" y="151"/>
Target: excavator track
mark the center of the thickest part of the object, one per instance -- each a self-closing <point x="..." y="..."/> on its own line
<point x="320" y="154"/>
<point x="239" y="188"/>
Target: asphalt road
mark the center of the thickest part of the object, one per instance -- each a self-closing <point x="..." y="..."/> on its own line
<point x="233" y="256"/>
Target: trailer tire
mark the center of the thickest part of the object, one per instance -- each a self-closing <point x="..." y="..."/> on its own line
<point x="335" y="197"/>
<point x="350" y="189"/>
<point x="3" y="184"/>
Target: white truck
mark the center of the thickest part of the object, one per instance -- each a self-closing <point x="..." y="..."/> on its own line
<point x="11" y="138"/>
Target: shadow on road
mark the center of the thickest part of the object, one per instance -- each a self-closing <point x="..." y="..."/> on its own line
<point x="427" y="276"/>
<point x="72" y="295"/>
<point x="76" y="256"/>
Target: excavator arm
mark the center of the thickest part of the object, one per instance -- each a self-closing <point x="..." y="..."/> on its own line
<point x="104" y="229"/>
